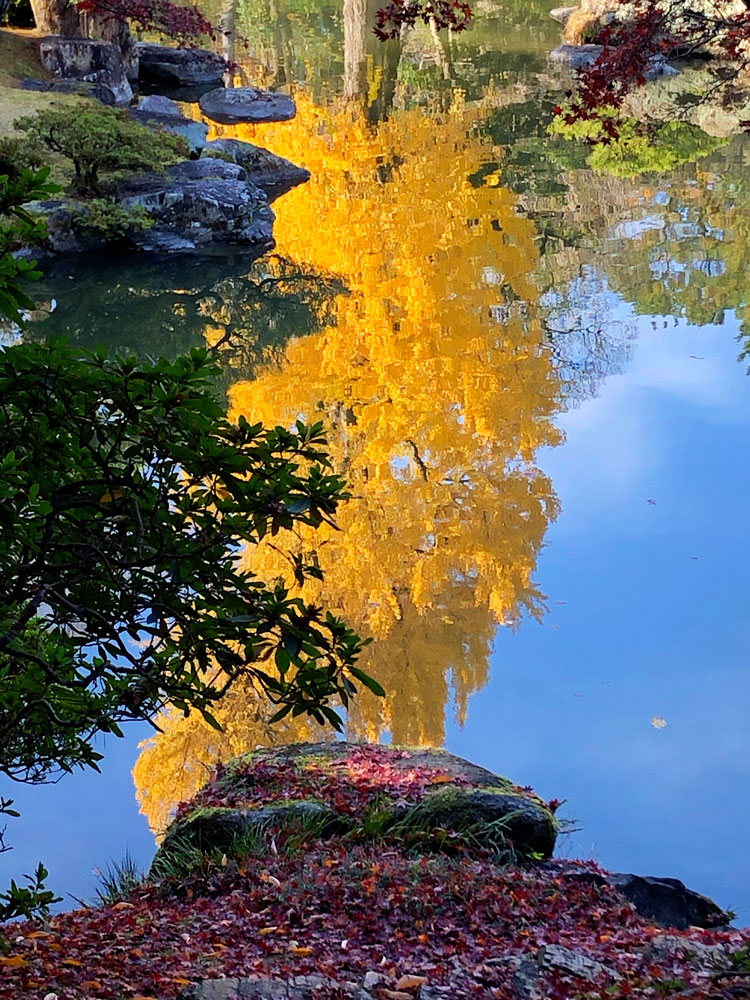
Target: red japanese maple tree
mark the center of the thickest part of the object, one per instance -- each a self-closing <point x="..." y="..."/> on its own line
<point x="650" y="33"/>
<point x="400" y="14"/>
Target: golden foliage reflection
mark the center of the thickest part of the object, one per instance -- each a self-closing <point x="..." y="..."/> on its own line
<point x="437" y="391"/>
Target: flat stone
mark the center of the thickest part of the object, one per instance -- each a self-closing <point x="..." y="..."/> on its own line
<point x="246" y="105"/>
<point x="194" y="133"/>
<point x="274" y="174"/>
<point x="97" y="91"/>
<point x="529" y="977"/>
<point x="157" y="104"/>
<point x="176" y="67"/>
<point x="264" y="988"/>
<point x="89" y="61"/>
<point x="39" y="85"/>
<point x="158" y="240"/>
<point x="575" y="56"/>
<point x="196" y="170"/>
<point x="555" y="956"/>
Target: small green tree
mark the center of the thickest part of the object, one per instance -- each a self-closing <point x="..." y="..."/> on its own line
<point x="98" y="139"/>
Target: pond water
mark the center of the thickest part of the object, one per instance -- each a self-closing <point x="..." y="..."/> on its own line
<point x="527" y="361"/>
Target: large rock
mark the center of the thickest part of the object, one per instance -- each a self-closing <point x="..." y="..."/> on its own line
<point x="190" y="214"/>
<point x="575" y="56"/>
<point x="63" y="235"/>
<point x="423" y="791"/>
<point x="161" y="113"/>
<point x="246" y="105"/>
<point x="272" y="173"/>
<point x="84" y="59"/>
<point x="668" y="902"/>
<point x="172" y="67"/>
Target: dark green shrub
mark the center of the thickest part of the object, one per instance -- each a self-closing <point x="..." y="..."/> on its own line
<point x="18" y="154"/>
<point x="99" y="217"/>
<point x="99" y="139"/>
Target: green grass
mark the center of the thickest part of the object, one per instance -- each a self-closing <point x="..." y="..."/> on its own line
<point x="118" y="880"/>
<point x="19" y="59"/>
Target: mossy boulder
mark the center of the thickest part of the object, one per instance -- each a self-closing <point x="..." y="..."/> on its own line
<point x="364" y="791"/>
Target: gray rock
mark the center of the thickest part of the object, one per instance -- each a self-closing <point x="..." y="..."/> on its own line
<point x="158" y="240"/>
<point x="194" y="133"/>
<point x="528" y="980"/>
<point x="174" y="67"/>
<point x="555" y="956"/>
<point x="38" y="85"/>
<point x="158" y="105"/>
<point x="62" y="234"/>
<point x="561" y="14"/>
<point x="98" y="91"/>
<point x="246" y="105"/>
<point x="217" y="828"/>
<point x="575" y="56"/>
<point x="83" y="59"/>
<point x="704" y="958"/>
<point x="200" y="212"/>
<point x="668" y="902"/>
<point x="659" y="68"/>
<point x="274" y="174"/>
<point x="196" y="170"/>
<point x="263" y="988"/>
<point x="528" y="826"/>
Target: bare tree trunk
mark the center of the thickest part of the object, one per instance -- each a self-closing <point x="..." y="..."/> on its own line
<point x="355" y="49"/>
<point x="442" y="50"/>
<point x="388" y="56"/>
<point x="227" y="26"/>
<point x="283" y="57"/>
<point x="58" y="17"/>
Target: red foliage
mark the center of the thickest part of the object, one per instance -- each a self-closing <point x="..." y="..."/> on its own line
<point x="185" y="24"/>
<point x="347" y="785"/>
<point x="654" y="32"/>
<point x="399" y="14"/>
<point x="340" y="913"/>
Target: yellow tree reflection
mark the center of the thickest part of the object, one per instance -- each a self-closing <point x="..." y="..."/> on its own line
<point x="437" y="391"/>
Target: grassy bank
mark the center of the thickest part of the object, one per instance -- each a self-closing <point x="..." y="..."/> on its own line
<point x="19" y="60"/>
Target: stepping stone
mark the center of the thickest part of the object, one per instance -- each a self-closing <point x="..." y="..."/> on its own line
<point x="246" y="105"/>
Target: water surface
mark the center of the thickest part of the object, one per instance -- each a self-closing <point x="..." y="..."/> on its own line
<point x="528" y="368"/>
